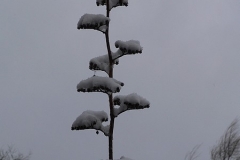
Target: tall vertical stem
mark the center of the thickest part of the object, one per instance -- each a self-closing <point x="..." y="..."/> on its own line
<point x="110" y="137"/>
<point x="108" y="43"/>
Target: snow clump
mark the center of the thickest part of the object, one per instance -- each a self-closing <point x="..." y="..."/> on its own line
<point x="91" y="120"/>
<point x="102" y="63"/>
<point x="129" y="102"/>
<point x="93" y="21"/>
<point x="100" y="84"/>
<point x="129" y="47"/>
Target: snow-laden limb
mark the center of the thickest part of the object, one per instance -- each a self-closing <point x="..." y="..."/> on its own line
<point x="93" y="21"/>
<point x="91" y="120"/>
<point x="129" y="47"/>
<point x="113" y="3"/>
<point x="100" y="84"/>
<point x="129" y="102"/>
<point x="102" y="62"/>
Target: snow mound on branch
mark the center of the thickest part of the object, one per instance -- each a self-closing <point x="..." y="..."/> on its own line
<point x="129" y="47"/>
<point x="100" y="84"/>
<point x="129" y="102"/>
<point x="102" y="63"/>
<point x="112" y="3"/>
<point x="91" y="120"/>
<point x="93" y="21"/>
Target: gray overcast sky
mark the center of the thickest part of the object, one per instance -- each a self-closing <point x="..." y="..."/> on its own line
<point x="189" y="71"/>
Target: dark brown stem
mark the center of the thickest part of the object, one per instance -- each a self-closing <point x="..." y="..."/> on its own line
<point x="108" y="43"/>
<point x="110" y="137"/>
<point x="109" y="53"/>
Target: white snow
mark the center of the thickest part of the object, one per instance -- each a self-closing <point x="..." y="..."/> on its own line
<point x="100" y="84"/>
<point x="102" y="63"/>
<point x="129" y="102"/>
<point x="125" y="48"/>
<point x="103" y="28"/>
<point x="129" y="47"/>
<point x="112" y="3"/>
<point x="93" y="21"/>
<point x="91" y="120"/>
<point x="117" y="54"/>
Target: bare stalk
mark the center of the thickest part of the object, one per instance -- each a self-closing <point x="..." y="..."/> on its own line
<point x="110" y="137"/>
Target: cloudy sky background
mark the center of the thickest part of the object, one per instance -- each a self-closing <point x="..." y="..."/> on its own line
<point x="189" y="71"/>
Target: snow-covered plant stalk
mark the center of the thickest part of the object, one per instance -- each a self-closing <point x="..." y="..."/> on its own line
<point x="108" y="85"/>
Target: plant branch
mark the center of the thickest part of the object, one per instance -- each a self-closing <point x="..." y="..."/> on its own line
<point x="118" y="56"/>
<point x="110" y="137"/>
<point x="108" y="43"/>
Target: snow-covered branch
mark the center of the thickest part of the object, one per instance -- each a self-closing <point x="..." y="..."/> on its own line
<point x="102" y="63"/>
<point x="91" y="120"/>
<point x="100" y="84"/>
<point x="129" y="102"/>
<point x="127" y="48"/>
<point x="93" y="21"/>
<point x="113" y="3"/>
